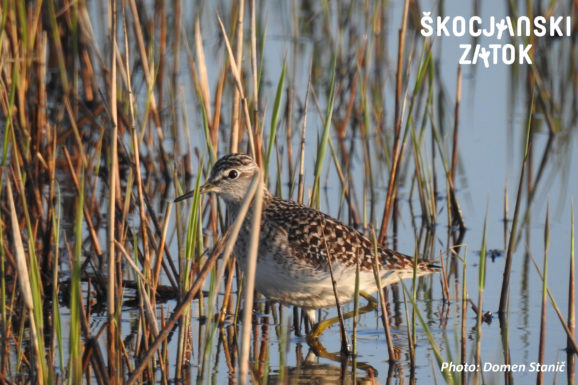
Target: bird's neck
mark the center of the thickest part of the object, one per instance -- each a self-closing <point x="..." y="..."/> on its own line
<point x="234" y="207"/>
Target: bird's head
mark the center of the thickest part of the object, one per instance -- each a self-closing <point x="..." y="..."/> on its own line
<point x="230" y="178"/>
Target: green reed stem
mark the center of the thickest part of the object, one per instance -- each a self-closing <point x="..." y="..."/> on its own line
<point x="9" y="122"/>
<point x="384" y="313"/>
<point x="75" y="340"/>
<point x="4" y="328"/>
<point x="206" y="129"/>
<point x="30" y="285"/>
<point x="571" y="306"/>
<point x="481" y="288"/>
<point x="542" y="343"/>
<point x="464" y="307"/>
<point x="274" y="120"/>
<point x="446" y="373"/>
<point x="322" y="147"/>
<point x="57" y="324"/>
<point x="510" y="252"/>
<point x="400" y="140"/>
<point x="413" y="334"/>
<point x="569" y="333"/>
<point x="410" y="331"/>
<point x="112" y="291"/>
<point x="355" y="309"/>
<point x="193" y="229"/>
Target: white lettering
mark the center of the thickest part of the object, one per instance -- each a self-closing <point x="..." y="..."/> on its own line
<point x="484" y="54"/>
<point x="495" y="48"/>
<point x="475" y="31"/>
<point x="502" y="26"/>
<point x="523" y="22"/>
<point x="489" y="367"/>
<point x="555" y="26"/>
<point x="508" y="54"/>
<point x="459" y="26"/>
<point x="540" y="26"/>
<point x="466" y="48"/>
<point x="426" y="21"/>
<point x="523" y="55"/>
<point x="442" y="26"/>
<point x="491" y="31"/>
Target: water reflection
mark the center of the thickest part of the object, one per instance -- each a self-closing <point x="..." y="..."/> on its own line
<point x="310" y="371"/>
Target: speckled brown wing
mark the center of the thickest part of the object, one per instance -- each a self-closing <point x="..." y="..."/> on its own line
<point x="311" y="234"/>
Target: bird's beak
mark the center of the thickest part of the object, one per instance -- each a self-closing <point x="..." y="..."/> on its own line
<point x="184" y="196"/>
<point x="206" y="188"/>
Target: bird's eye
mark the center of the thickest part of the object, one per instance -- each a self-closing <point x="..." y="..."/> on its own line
<point x="233" y="174"/>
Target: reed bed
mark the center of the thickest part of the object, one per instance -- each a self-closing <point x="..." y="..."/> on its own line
<point x="111" y="109"/>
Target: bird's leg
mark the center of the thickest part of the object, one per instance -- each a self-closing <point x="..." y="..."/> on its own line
<point x="320" y="327"/>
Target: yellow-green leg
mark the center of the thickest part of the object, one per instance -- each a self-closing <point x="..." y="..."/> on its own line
<point x="320" y="327"/>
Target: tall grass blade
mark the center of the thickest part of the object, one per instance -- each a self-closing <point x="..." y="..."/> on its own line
<point x="185" y="273"/>
<point x="274" y="120"/>
<point x="31" y="291"/>
<point x="256" y="210"/>
<point x="463" y="354"/>
<point x="448" y="375"/>
<point x="113" y="360"/>
<point x="239" y="93"/>
<point x="322" y="147"/>
<point x="571" y="305"/>
<point x="569" y="333"/>
<point x="397" y="152"/>
<point x="384" y="313"/>
<point x="510" y="251"/>
<point x="75" y="340"/>
<point x="542" y="344"/>
<point x="481" y="288"/>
